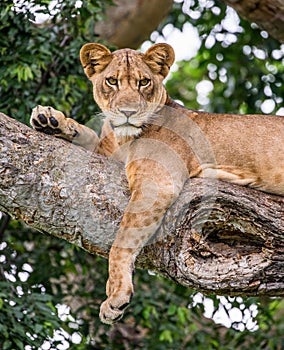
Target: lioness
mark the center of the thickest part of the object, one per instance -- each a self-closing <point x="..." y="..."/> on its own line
<point x="162" y="144"/>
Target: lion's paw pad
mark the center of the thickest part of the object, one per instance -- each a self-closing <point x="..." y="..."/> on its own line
<point x="47" y="120"/>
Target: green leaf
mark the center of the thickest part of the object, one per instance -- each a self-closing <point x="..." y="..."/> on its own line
<point x="166" y="336"/>
<point x="7" y="345"/>
<point x="172" y="309"/>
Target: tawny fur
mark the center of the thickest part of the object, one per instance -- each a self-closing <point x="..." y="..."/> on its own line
<point x="162" y="144"/>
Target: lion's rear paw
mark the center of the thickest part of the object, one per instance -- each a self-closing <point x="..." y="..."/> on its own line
<point x="48" y="120"/>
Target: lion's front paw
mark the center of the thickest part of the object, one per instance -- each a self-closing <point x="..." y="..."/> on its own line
<point x="48" y="120"/>
<point x="113" y="307"/>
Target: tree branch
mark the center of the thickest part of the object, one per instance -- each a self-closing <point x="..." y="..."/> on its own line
<point x="268" y="14"/>
<point x="130" y="22"/>
<point x="217" y="237"/>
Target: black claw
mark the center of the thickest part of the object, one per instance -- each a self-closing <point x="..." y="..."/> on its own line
<point x="123" y="306"/>
<point x="117" y="318"/>
<point x="42" y="118"/>
<point x="111" y="307"/>
<point x="36" y="123"/>
<point x="114" y="319"/>
<point x="120" y="308"/>
<point x="50" y="131"/>
<point x="53" y="121"/>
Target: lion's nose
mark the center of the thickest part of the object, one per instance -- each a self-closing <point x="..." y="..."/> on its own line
<point x="127" y="113"/>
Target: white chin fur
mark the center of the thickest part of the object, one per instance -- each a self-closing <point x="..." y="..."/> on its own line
<point x="127" y="131"/>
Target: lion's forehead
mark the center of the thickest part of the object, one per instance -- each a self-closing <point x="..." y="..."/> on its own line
<point x="126" y="55"/>
<point x="128" y="63"/>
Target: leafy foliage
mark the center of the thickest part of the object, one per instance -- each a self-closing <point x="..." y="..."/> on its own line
<point x="240" y="64"/>
<point x="40" y="62"/>
<point x="63" y="274"/>
<point x="40" y="65"/>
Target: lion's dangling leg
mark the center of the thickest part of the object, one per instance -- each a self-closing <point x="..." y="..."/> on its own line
<point x="153" y="191"/>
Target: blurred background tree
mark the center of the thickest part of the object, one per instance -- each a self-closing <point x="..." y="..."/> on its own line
<point x="50" y="291"/>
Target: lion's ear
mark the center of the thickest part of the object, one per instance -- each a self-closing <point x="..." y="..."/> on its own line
<point x="159" y="58"/>
<point x="94" y="58"/>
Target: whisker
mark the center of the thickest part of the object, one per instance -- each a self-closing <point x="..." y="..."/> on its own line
<point x="101" y="115"/>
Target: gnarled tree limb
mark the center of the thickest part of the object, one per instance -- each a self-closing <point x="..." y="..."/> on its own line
<point x="268" y="14"/>
<point x="217" y="237"/>
<point x="130" y="22"/>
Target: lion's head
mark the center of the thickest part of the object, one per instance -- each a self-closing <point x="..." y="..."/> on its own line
<point x="127" y="84"/>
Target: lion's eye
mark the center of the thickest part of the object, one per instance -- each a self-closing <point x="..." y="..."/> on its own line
<point x="144" y="82"/>
<point x="111" y="81"/>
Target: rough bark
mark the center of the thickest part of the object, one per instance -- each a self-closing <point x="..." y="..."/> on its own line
<point x="130" y="22"/>
<point x="267" y="14"/>
<point x="217" y="237"/>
